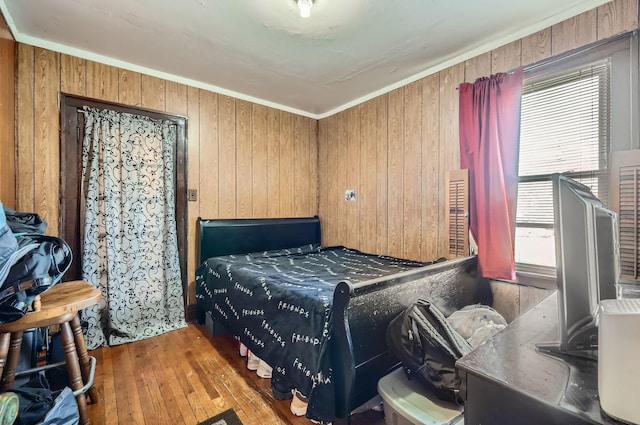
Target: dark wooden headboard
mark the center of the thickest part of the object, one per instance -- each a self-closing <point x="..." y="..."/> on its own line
<point x="241" y="235"/>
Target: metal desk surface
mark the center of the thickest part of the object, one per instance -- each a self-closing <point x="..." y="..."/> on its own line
<point x="510" y="363"/>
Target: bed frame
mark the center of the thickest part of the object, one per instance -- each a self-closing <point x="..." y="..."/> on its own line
<point x="362" y="311"/>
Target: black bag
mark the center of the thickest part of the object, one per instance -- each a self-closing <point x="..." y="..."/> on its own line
<point x="30" y="263"/>
<point x="40" y="405"/>
<point x="428" y="348"/>
<point x="36" y="399"/>
<point x="64" y="410"/>
<point x="22" y="222"/>
<point x="39" y="263"/>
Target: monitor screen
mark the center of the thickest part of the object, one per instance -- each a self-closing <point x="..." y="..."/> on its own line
<point x="587" y="260"/>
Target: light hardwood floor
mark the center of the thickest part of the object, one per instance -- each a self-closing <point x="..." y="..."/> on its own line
<point x="185" y="377"/>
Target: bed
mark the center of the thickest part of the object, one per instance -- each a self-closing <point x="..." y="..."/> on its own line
<point x="322" y="328"/>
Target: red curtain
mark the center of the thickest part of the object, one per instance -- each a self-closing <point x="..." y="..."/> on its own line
<point x="489" y="141"/>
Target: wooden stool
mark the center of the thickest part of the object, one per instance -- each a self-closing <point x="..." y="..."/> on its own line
<point x="60" y="306"/>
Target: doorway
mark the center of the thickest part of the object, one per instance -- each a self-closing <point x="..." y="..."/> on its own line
<point x="71" y="200"/>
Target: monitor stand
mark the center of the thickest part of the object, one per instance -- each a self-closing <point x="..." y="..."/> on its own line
<point x="581" y="340"/>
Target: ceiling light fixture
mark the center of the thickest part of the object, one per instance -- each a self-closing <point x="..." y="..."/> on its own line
<point x="305" y="7"/>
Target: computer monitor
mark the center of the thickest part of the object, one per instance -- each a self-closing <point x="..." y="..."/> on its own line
<point x="587" y="264"/>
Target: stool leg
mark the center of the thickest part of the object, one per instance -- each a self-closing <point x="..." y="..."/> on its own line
<point x="9" y="375"/>
<point x="4" y="350"/>
<point x="73" y="370"/>
<point x="85" y="364"/>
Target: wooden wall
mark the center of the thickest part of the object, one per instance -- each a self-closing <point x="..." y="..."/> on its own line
<point x="244" y="159"/>
<point x="394" y="149"/>
<point x="7" y="119"/>
<point x="248" y="160"/>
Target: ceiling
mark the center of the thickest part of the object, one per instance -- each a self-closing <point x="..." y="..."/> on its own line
<point x="348" y="51"/>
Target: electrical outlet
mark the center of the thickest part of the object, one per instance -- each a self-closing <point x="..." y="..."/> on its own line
<point x="192" y="195"/>
<point x="350" y="195"/>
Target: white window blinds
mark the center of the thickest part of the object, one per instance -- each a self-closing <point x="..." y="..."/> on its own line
<point x="564" y="129"/>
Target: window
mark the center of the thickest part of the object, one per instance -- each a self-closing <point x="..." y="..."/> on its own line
<point x="565" y="128"/>
<point x="576" y="110"/>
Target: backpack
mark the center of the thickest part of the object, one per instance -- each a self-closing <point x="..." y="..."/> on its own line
<point x="428" y="348"/>
<point x="39" y="263"/>
<point x="30" y="263"/>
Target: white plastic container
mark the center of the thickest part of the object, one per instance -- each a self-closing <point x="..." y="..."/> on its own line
<point x="619" y="358"/>
<point x="408" y="402"/>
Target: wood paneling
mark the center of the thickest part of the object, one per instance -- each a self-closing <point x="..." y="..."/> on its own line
<point x="506" y="58"/>
<point x="153" y="93"/>
<point x="430" y="172"/>
<point x="25" y="129"/>
<point x="382" y="179"/>
<point x="130" y="87"/>
<point x="530" y="297"/>
<point x="506" y="299"/>
<point x="511" y="300"/>
<point x="209" y="181"/>
<point x="616" y="17"/>
<point x="301" y="166"/>
<point x="287" y="192"/>
<point x="477" y="67"/>
<point x="395" y="189"/>
<point x="273" y="163"/>
<point x="415" y="138"/>
<point x="244" y="159"/>
<point x="73" y="76"/>
<point x="353" y="175"/>
<point x="193" y="182"/>
<point x="332" y="159"/>
<point x="227" y="153"/>
<point x="536" y="46"/>
<point x="102" y="81"/>
<point x="176" y="98"/>
<point x="574" y="32"/>
<point x="449" y="149"/>
<point x="412" y="175"/>
<point x="367" y="188"/>
<point x="342" y="162"/>
<point x="260" y="159"/>
<point x="312" y="157"/>
<point x="228" y="148"/>
<point x="5" y="32"/>
<point x="324" y="183"/>
<point x="7" y="116"/>
<point x="47" y="135"/>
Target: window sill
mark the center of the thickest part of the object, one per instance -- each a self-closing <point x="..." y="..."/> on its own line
<point x="543" y="281"/>
<point x="536" y="276"/>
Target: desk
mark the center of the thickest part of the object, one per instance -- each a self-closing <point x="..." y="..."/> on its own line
<point x="509" y="382"/>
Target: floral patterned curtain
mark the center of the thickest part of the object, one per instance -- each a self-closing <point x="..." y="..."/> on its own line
<point x="130" y="248"/>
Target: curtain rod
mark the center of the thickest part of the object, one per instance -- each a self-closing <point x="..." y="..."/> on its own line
<point x="178" y="120"/>
<point x="578" y="51"/>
